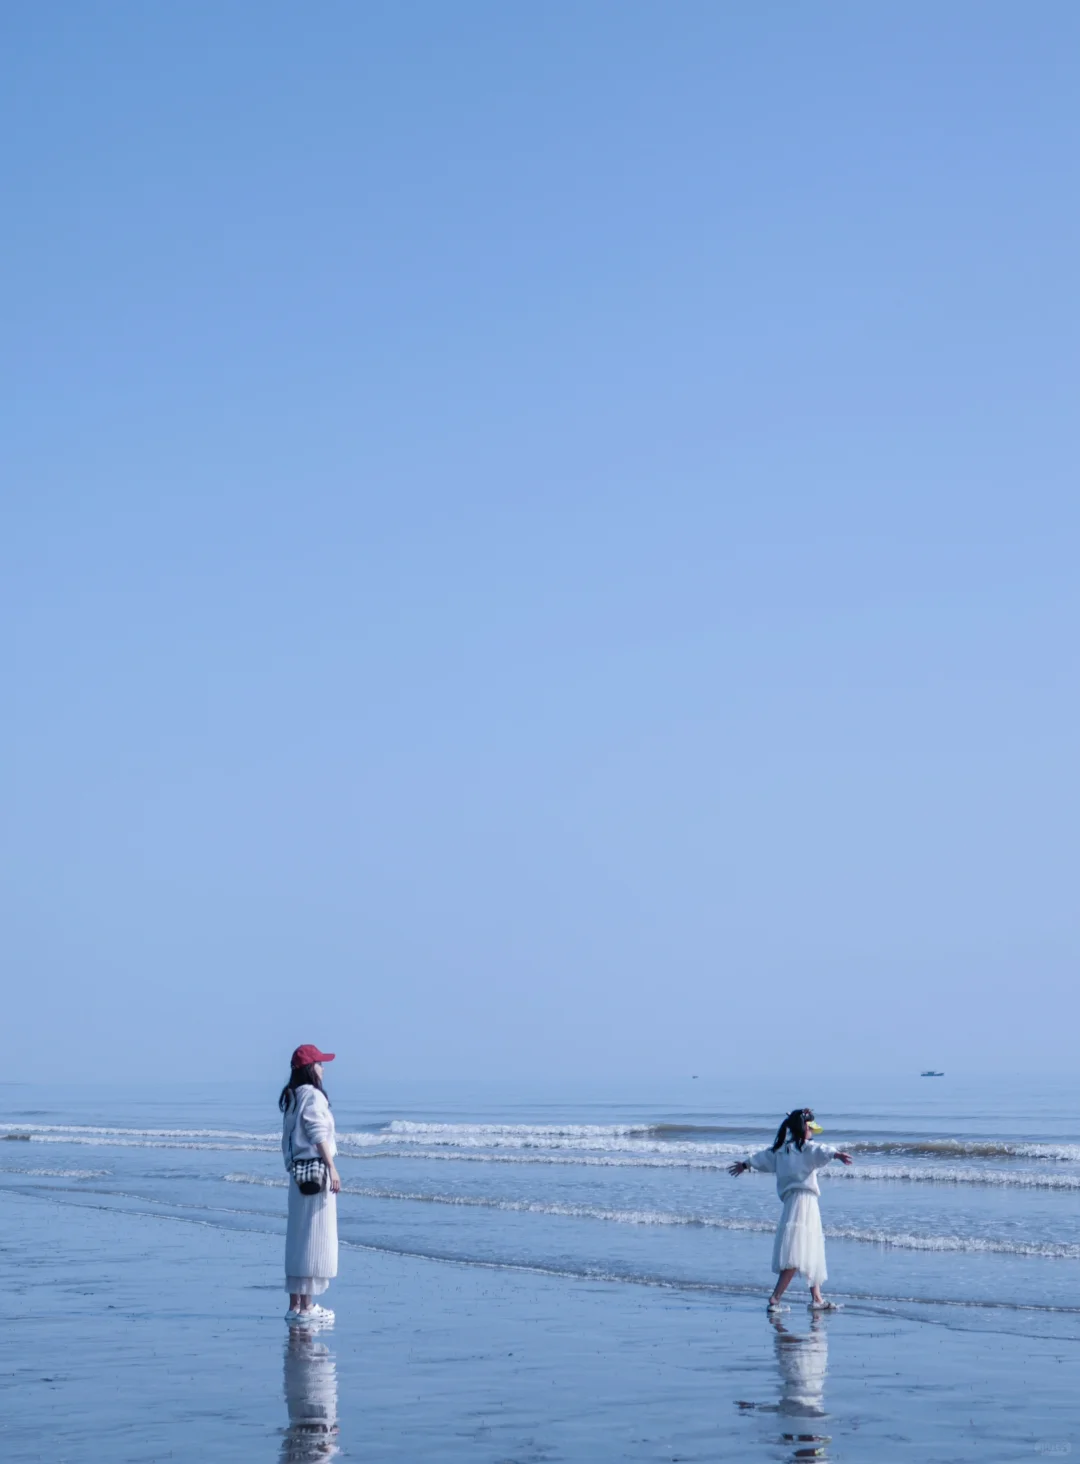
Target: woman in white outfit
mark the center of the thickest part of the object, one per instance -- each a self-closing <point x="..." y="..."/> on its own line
<point x="307" y="1133"/>
<point x="800" y="1243"/>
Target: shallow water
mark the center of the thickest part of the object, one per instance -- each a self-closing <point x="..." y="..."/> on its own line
<point x="962" y="1200"/>
<point x="529" y="1278"/>
<point x="138" y="1338"/>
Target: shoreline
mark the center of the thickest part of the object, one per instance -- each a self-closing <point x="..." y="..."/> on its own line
<point x="448" y="1359"/>
<point x="934" y="1308"/>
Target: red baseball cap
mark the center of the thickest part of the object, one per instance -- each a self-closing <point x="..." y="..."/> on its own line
<point x="306" y="1055"/>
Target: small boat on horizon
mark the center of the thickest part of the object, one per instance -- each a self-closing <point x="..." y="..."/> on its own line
<point x="930" y="1073"/>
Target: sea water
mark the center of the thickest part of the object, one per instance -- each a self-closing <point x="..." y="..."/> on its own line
<point x="963" y="1203"/>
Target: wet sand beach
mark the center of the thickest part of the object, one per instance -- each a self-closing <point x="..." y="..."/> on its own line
<point x="138" y="1337"/>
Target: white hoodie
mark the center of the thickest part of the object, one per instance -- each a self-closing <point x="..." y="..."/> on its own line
<point x="794" y="1168"/>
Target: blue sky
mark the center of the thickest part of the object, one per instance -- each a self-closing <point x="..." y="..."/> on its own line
<point x="540" y="540"/>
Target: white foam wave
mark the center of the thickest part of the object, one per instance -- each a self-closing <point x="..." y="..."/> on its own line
<point x="41" y="1129"/>
<point x="669" y="1139"/>
<point x="602" y="1161"/>
<point x="517" y="1134"/>
<point x="529" y="1138"/>
<point x="968" y="1149"/>
<point x="897" y="1240"/>
<point x="925" y="1174"/>
<point x="87" y="1141"/>
<point x="605" y="1144"/>
<point x="658" y="1139"/>
<point x="561" y="1151"/>
<point x="100" y="1137"/>
<point x="953" y="1174"/>
<point x="60" y="1173"/>
<point x="969" y="1244"/>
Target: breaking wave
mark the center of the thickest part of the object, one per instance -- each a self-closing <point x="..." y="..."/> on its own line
<point x="672" y="1140"/>
<point x="968" y="1149"/>
<point x="891" y="1239"/>
<point x="605" y="1145"/>
<point x="620" y="1145"/>
<point x="73" y="1130"/>
<point x="954" y="1174"/>
<point x="59" y="1173"/>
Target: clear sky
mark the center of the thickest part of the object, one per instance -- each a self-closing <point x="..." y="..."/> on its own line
<point x="539" y="539"/>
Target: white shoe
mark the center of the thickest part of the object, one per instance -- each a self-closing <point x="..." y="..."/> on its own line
<point x="820" y="1306"/>
<point x="320" y="1314"/>
<point x="292" y="1315"/>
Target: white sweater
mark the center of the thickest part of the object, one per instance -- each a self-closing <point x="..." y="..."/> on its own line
<point x="307" y="1122"/>
<point x="794" y="1168"/>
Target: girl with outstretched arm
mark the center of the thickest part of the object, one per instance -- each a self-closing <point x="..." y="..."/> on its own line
<point x="800" y="1243"/>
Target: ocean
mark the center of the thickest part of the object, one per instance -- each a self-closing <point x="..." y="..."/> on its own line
<point x="962" y="1194"/>
<point x="962" y="1210"/>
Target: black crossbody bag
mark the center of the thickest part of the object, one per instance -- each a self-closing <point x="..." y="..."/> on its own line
<point x="311" y="1175"/>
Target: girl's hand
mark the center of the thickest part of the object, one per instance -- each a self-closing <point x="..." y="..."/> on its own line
<point x="335" y="1180"/>
<point x="844" y="1158"/>
<point x="740" y="1165"/>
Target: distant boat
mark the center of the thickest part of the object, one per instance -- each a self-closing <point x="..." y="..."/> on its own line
<point x="930" y="1073"/>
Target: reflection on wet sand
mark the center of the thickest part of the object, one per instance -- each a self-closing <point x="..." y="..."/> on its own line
<point x="803" y="1360"/>
<point x="312" y="1399"/>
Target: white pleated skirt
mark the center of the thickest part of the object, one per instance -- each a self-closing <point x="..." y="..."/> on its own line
<point x="800" y="1242"/>
<point x="311" y="1243"/>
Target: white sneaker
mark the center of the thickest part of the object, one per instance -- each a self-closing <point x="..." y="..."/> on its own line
<point x="314" y="1315"/>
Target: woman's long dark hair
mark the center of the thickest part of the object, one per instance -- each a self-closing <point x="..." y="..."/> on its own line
<point x="796" y="1127"/>
<point x="297" y="1078"/>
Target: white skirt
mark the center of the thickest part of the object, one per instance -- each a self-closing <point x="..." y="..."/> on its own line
<point x="800" y="1243"/>
<point x="311" y="1243"/>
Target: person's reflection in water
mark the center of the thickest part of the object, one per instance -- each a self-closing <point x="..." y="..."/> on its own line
<point x="803" y="1359"/>
<point x="311" y="1398"/>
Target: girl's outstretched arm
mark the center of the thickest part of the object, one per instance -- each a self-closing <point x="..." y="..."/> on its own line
<point x="764" y="1161"/>
<point x="822" y="1154"/>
